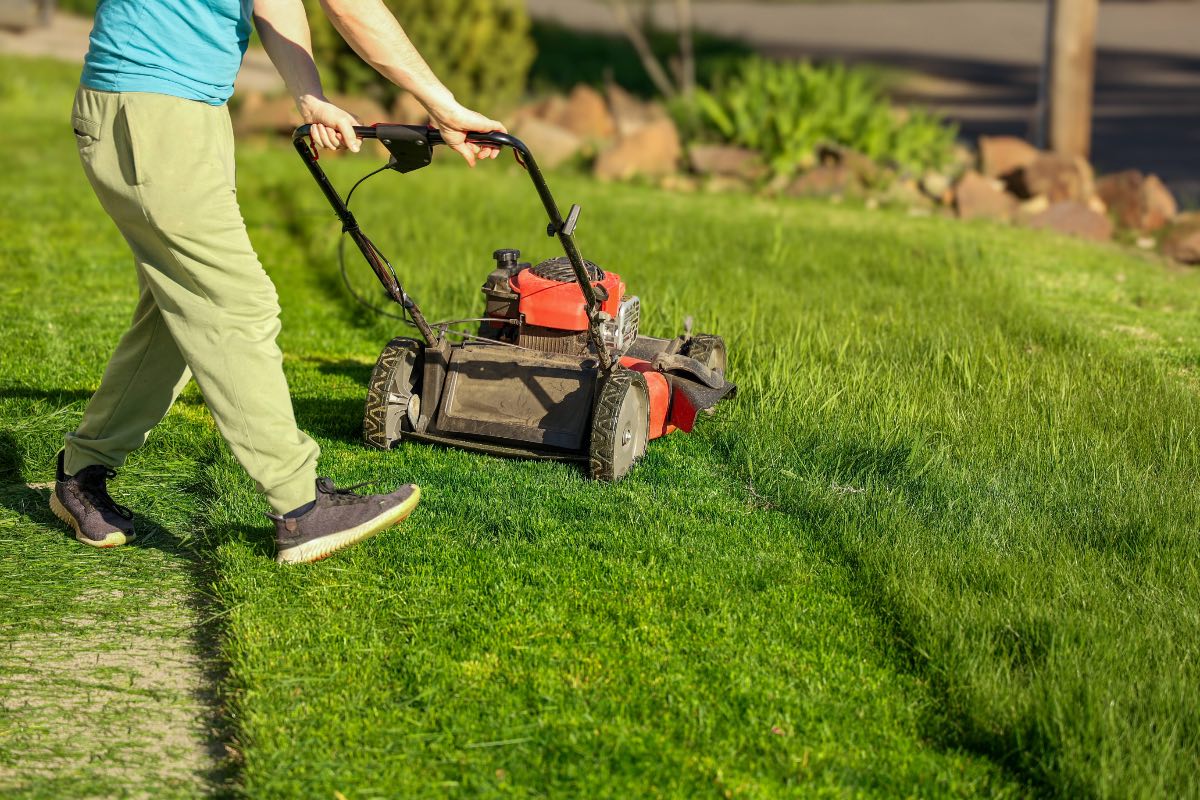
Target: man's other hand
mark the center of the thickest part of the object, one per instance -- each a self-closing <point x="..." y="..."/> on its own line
<point x="455" y="121"/>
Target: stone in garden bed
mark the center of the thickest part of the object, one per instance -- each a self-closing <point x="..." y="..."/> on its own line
<point x="629" y="113"/>
<point x="652" y="150"/>
<point x="1059" y="178"/>
<point x="979" y="197"/>
<point x="1000" y="156"/>
<point x="586" y="115"/>
<point x="726" y="160"/>
<point x="822" y="181"/>
<point x="1182" y="241"/>
<point x="1073" y="219"/>
<point x="1139" y="202"/>
<point x="552" y="145"/>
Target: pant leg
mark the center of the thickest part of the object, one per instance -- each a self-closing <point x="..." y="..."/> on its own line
<point x="142" y="380"/>
<point x="170" y="188"/>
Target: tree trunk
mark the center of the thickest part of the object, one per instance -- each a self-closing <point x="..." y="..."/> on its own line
<point x="1072" y="74"/>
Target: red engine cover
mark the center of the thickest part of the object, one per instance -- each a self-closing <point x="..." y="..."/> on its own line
<point x="553" y="304"/>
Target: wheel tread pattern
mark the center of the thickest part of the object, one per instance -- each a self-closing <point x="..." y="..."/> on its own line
<point x="375" y="413"/>
<point x="603" y="446"/>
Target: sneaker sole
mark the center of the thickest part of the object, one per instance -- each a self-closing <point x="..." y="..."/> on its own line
<point x="114" y="539"/>
<point x="329" y="544"/>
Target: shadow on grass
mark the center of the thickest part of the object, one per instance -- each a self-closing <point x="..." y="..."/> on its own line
<point x="32" y="504"/>
<point x="854" y="509"/>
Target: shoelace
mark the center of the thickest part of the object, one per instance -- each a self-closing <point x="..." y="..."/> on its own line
<point x="91" y="485"/>
<point x="338" y="496"/>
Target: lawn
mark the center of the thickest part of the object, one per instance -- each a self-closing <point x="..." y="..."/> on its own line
<point x="942" y="544"/>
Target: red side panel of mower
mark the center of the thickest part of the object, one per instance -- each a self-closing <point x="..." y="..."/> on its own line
<point x="664" y="418"/>
<point x="554" y="304"/>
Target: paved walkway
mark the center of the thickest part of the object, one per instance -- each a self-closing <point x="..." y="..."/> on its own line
<point x="979" y="62"/>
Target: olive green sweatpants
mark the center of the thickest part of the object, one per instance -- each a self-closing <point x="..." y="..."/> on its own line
<point x="163" y="169"/>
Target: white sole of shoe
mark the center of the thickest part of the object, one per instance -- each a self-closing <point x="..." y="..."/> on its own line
<point x="114" y="539"/>
<point x="326" y="546"/>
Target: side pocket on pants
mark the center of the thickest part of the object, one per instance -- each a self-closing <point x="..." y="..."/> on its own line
<point x="125" y="139"/>
<point x="87" y="132"/>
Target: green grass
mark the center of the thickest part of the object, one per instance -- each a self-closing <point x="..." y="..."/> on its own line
<point x="942" y="544"/>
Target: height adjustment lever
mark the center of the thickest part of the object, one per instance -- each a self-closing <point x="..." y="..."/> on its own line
<point x="568" y="225"/>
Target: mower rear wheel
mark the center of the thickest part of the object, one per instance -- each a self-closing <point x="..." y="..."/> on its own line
<point x="709" y="350"/>
<point x="620" y="425"/>
<point x="393" y="395"/>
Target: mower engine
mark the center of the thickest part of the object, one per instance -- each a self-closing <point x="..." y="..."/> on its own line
<point x="543" y="307"/>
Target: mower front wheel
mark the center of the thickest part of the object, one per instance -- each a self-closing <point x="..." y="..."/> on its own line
<point x="709" y="350"/>
<point x="394" y="393"/>
<point x="620" y="425"/>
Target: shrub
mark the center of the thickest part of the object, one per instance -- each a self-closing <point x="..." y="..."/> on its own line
<point x="786" y="110"/>
<point x="481" y="49"/>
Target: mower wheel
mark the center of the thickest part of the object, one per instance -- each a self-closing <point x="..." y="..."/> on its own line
<point x="709" y="350"/>
<point x="393" y="395"/>
<point x="620" y="425"/>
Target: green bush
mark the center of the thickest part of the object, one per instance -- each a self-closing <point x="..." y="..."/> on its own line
<point x="787" y="110"/>
<point x="481" y="49"/>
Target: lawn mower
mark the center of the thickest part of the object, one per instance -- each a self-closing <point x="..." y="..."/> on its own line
<point x="555" y="369"/>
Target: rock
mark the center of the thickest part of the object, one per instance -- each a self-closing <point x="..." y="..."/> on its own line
<point x="585" y="114"/>
<point x="260" y="114"/>
<point x="1182" y="242"/>
<point x="1000" y="156"/>
<point x="862" y="167"/>
<point x="1139" y="203"/>
<point x="821" y="181"/>
<point x="552" y="146"/>
<point x="979" y="197"/>
<point x="726" y="160"/>
<point x="653" y="150"/>
<point x="1056" y="176"/>
<point x="629" y="113"/>
<point x="1074" y="219"/>
<point x="408" y="110"/>
<point x="1122" y="193"/>
<point x="1158" y="204"/>
<point x="937" y="187"/>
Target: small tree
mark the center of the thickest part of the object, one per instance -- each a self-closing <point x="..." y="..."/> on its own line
<point x="683" y="83"/>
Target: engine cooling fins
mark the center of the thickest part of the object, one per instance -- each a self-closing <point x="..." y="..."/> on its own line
<point x="559" y="269"/>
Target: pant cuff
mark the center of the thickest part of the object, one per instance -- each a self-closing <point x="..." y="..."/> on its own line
<point x="295" y="493"/>
<point x="76" y="458"/>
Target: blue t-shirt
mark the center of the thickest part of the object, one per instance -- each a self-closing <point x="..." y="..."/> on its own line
<point x="185" y="48"/>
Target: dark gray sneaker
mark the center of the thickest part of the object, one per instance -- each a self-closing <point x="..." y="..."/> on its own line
<point x="338" y="519"/>
<point x="82" y="501"/>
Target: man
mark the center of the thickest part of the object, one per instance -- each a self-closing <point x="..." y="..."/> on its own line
<point x="155" y="140"/>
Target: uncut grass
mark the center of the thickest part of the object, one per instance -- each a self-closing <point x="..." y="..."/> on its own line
<point x="941" y="544"/>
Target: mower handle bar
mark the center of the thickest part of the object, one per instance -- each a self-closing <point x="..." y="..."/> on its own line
<point x="432" y="135"/>
<point x="563" y="229"/>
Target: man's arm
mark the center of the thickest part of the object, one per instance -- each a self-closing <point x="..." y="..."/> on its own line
<point x="374" y="33"/>
<point x="283" y="28"/>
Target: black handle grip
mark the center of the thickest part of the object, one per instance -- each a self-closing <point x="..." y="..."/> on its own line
<point x="432" y="135"/>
